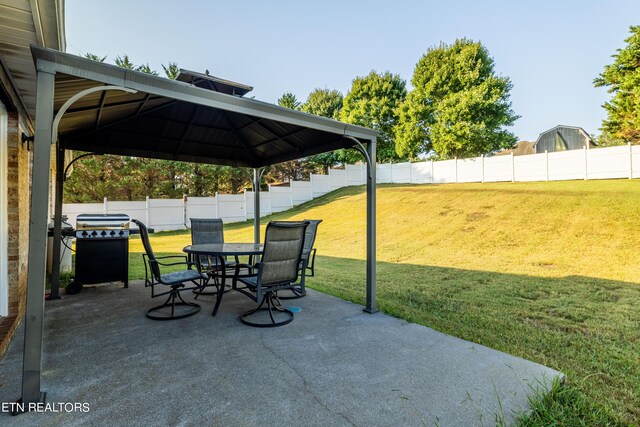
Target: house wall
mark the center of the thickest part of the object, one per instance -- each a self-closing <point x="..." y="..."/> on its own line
<point x="18" y="196"/>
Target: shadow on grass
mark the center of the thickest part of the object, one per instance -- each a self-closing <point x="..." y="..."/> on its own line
<point x="587" y="328"/>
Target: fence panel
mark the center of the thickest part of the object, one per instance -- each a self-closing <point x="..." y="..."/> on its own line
<point x="470" y="170"/>
<point x="498" y="168"/>
<point x="635" y="161"/>
<point x="166" y="214"/>
<point x="301" y="192"/>
<point x="532" y="167"/>
<point x="565" y="165"/>
<point x="383" y="173"/>
<point x="356" y="174"/>
<point x="320" y="184"/>
<point x="72" y="210"/>
<point x="265" y="204"/>
<point x="231" y="208"/>
<point x="135" y="210"/>
<point x="421" y="173"/>
<point x="444" y="172"/>
<point x="401" y="173"/>
<point x="338" y="178"/>
<point x="201" y="207"/>
<point x="609" y="162"/>
<point x="281" y="198"/>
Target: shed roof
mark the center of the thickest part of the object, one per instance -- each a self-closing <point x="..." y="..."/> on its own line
<point x="175" y="120"/>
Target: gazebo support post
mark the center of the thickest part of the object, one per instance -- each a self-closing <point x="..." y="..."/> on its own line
<point x="371" y="228"/>
<point x="57" y="223"/>
<point x="257" y="177"/>
<point x="37" y="261"/>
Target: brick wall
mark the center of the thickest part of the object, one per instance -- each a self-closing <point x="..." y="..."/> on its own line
<point x="18" y="183"/>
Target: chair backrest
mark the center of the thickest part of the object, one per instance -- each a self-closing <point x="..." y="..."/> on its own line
<point x="144" y="235"/>
<point x="283" y="242"/>
<point x="206" y="230"/>
<point x="310" y="236"/>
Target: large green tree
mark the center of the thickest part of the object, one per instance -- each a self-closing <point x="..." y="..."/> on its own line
<point x="373" y="102"/>
<point x="458" y="106"/>
<point x="325" y="103"/>
<point x="622" y="78"/>
<point x="294" y="169"/>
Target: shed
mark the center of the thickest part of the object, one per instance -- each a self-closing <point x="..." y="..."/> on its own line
<point x="563" y="138"/>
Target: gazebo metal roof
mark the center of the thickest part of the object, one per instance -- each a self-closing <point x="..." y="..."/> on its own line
<point x="95" y="107"/>
<point x="175" y="120"/>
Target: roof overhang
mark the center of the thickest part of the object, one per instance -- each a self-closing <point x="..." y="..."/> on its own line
<point x="26" y="23"/>
<point x="173" y="120"/>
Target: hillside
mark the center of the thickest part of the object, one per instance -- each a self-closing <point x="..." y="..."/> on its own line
<point x="548" y="271"/>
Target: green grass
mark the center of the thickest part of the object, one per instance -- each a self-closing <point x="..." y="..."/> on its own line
<point x="546" y="271"/>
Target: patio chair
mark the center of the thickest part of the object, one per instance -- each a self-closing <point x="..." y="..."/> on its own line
<point x="307" y="262"/>
<point x="211" y="230"/>
<point x="175" y="281"/>
<point x="278" y="270"/>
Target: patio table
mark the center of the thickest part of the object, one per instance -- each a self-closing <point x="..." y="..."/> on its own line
<point x="221" y="251"/>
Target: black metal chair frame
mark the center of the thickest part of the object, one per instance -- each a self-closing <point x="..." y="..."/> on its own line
<point x="298" y="290"/>
<point x="214" y="266"/>
<point x="268" y="293"/>
<point x="153" y="278"/>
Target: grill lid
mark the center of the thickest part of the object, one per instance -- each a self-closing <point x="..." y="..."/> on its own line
<point x="102" y="222"/>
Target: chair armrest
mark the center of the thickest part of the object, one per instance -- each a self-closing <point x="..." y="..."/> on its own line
<point x="184" y="257"/>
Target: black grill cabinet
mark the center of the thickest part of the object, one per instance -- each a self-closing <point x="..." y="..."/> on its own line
<point x="102" y="249"/>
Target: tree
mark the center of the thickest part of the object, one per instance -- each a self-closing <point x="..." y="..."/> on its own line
<point x="325" y="103"/>
<point x="458" y="106"/>
<point x="95" y="57"/>
<point x="623" y="81"/>
<point x="372" y="102"/>
<point x="145" y="68"/>
<point x="171" y="70"/>
<point x="289" y="100"/>
<point x="124" y="62"/>
<point x="293" y="169"/>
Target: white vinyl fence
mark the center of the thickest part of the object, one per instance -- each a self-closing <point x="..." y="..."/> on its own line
<point x="166" y="214"/>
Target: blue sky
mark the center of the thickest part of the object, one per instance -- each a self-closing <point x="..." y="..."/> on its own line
<point x="551" y="50"/>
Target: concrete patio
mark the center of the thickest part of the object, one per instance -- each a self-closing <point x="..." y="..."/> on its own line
<point x="334" y="365"/>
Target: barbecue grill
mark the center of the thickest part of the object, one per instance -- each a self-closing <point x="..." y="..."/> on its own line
<point x="102" y="250"/>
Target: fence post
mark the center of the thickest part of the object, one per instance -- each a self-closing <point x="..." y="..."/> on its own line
<point x="456" y="163"/>
<point x="291" y="190"/>
<point x="483" y="168"/>
<point x="630" y="161"/>
<point x="432" y="180"/>
<point x="513" y="168"/>
<point x="410" y="174"/>
<point x="147" y="213"/>
<point x="246" y="214"/>
<point x="185" y="201"/>
<point x="546" y="156"/>
<point x="105" y="206"/>
<point x="216" y="203"/>
<point x="586" y="169"/>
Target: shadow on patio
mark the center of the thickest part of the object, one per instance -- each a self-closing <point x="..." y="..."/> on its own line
<point x="334" y="365"/>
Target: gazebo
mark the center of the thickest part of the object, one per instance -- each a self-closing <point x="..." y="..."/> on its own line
<point x="99" y="108"/>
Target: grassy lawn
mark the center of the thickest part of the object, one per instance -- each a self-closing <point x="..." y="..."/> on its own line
<point x="546" y="271"/>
